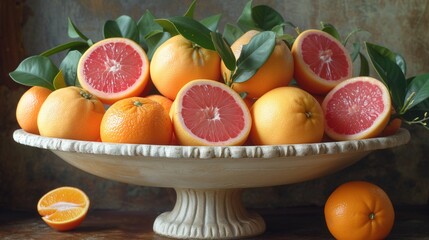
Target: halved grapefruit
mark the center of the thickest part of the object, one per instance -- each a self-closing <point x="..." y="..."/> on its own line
<point x="357" y="108"/>
<point x="320" y="61"/>
<point x="207" y="112"/>
<point x="113" y="69"/>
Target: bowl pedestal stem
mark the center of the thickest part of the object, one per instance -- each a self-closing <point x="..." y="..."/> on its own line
<point x="209" y="214"/>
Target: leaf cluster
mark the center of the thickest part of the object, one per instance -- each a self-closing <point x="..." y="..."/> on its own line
<point x="410" y="96"/>
<point x="150" y="32"/>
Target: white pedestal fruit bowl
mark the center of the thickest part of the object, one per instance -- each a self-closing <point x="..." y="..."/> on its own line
<point x="209" y="180"/>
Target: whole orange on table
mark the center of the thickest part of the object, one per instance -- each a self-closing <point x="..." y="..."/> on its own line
<point x="29" y="106"/>
<point x="178" y="61"/>
<point x="359" y="210"/>
<point x="277" y="71"/>
<point x="63" y="208"/>
<point x="71" y="113"/>
<point x="136" y="120"/>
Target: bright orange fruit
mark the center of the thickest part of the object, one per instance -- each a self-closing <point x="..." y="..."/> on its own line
<point x="136" y="120"/>
<point x="359" y="210"/>
<point x="28" y="108"/>
<point x="178" y="61"/>
<point x="71" y="113"/>
<point x="63" y="208"/>
<point x="164" y="101"/>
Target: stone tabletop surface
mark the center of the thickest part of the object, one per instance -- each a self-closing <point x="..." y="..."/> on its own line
<point x="289" y="223"/>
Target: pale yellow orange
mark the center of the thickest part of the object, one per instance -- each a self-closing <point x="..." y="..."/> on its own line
<point x="286" y="115"/>
<point x="276" y="72"/>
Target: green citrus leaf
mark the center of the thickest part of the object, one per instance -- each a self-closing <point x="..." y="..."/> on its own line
<point x="394" y="57"/>
<point x="331" y="30"/>
<point x="364" y="65"/>
<point x="224" y="50"/>
<point x="356" y="50"/>
<point x="65" y="46"/>
<point x="389" y="72"/>
<point x="59" y="81"/>
<point x="146" y="26"/>
<point x="288" y="39"/>
<point x="190" y="29"/>
<point x="191" y="9"/>
<point x="35" y="71"/>
<point x="254" y="55"/>
<point x="243" y="95"/>
<point x="418" y="91"/>
<point x="69" y="67"/>
<point x="245" y="20"/>
<point x="74" y="32"/>
<point x="279" y="29"/>
<point x="123" y="26"/>
<point x="231" y="33"/>
<point x="154" y="40"/>
<point x="350" y="35"/>
<point x="400" y="61"/>
<point x="212" y="22"/>
<point x="266" y="18"/>
<point x="242" y="75"/>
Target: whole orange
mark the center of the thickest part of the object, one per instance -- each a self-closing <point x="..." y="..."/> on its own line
<point x="286" y="115"/>
<point x="359" y="210"/>
<point x="28" y="108"/>
<point x="277" y="71"/>
<point x="178" y="61"/>
<point x="392" y="127"/>
<point x="136" y="120"/>
<point x="71" y="113"/>
<point x="164" y="101"/>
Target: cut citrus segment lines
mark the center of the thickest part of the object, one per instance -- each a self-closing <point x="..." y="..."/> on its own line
<point x="320" y="61"/>
<point x="113" y="69"/>
<point x="357" y="108"/>
<point x="63" y="208"/>
<point x="208" y="112"/>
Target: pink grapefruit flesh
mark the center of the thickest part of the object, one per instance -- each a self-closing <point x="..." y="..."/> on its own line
<point x="113" y="69"/>
<point x="321" y="61"/>
<point x="208" y="112"/>
<point x="356" y="108"/>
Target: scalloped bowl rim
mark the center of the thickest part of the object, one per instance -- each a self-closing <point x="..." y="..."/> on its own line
<point x="401" y="137"/>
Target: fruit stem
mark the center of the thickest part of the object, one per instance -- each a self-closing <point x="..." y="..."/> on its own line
<point x="195" y="46"/>
<point x="372" y="216"/>
<point x="85" y="94"/>
<point x="138" y="103"/>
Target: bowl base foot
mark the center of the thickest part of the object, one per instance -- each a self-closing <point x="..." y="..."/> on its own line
<point x="209" y="214"/>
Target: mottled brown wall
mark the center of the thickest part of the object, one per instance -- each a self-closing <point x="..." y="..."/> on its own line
<point x="27" y="173"/>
